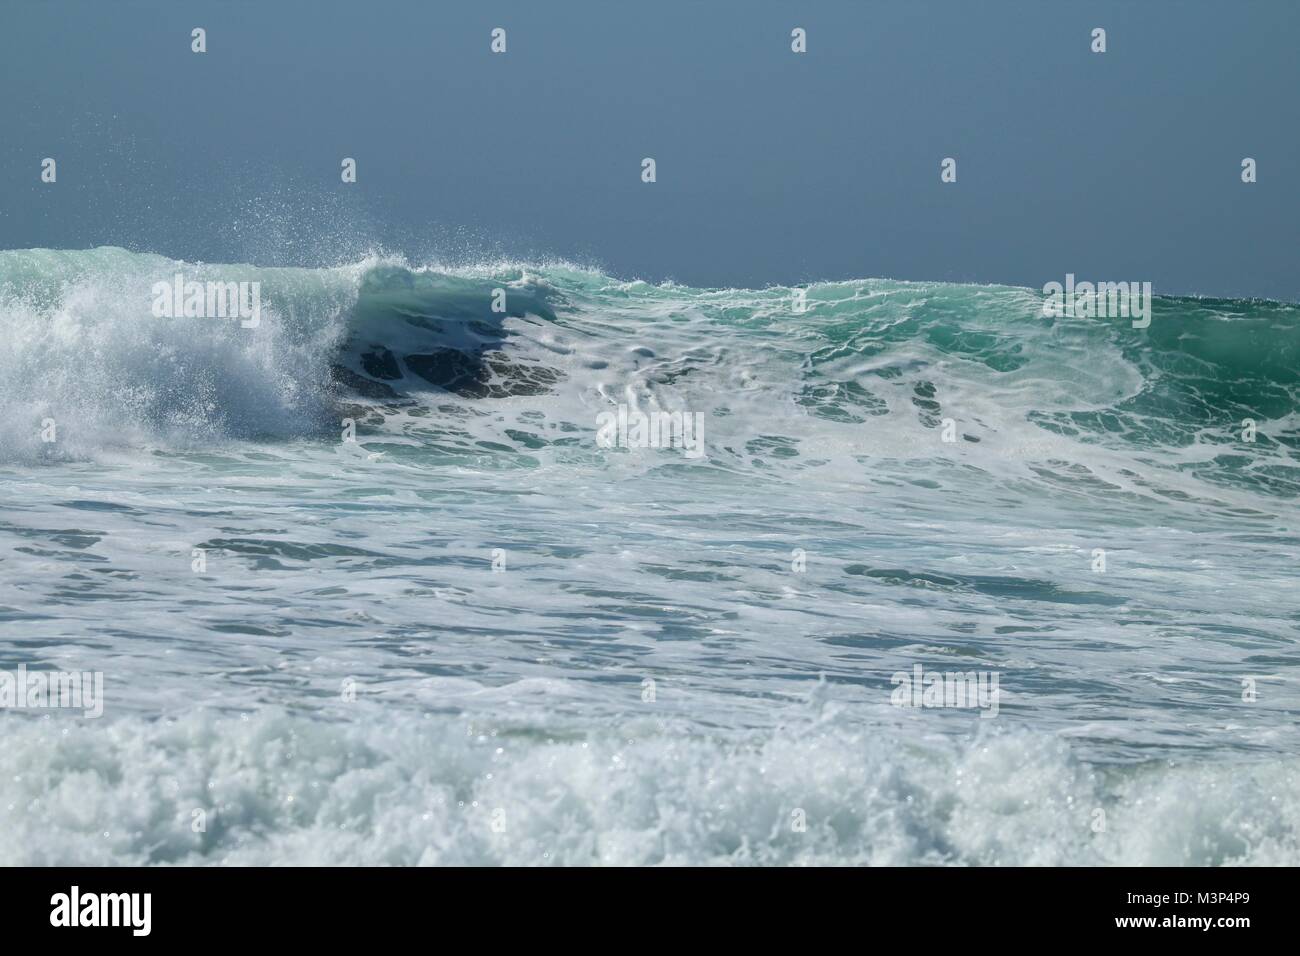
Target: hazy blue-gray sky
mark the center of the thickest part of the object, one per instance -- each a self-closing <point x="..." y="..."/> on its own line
<point x="772" y="166"/>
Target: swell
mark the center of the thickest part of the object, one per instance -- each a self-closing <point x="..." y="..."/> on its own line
<point x="874" y="368"/>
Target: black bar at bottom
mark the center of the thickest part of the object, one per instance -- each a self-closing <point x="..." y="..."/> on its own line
<point x="337" y="906"/>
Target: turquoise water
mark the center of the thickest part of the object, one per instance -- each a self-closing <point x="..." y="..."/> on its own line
<point x="474" y="635"/>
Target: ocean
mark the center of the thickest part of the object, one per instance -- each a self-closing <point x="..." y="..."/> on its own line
<point x="364" y="585"/>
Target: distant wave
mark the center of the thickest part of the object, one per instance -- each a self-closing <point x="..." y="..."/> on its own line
<point x="382" y="340"/>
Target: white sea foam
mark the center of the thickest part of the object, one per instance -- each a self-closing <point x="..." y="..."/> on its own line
<point x="276" y="789"/>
